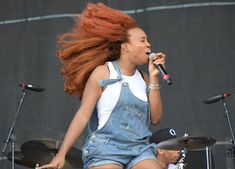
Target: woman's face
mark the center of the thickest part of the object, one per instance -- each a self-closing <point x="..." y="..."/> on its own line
<point x="138" y="47"/>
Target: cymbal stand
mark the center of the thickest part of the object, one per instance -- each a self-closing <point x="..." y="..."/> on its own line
<point x="11" y="137"/>
<point x="181" y="164"/>
<point x="232" y="150"/>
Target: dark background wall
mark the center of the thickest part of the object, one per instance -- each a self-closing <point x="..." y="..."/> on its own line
<point x="197" y="36"/>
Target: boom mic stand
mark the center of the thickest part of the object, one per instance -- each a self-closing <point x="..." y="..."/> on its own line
<point x="11" y="137"/>
<point x="231" y="151"/>
<point x="181" y="163"/>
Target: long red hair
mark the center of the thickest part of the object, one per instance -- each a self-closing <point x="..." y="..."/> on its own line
<point x="96" y="38"/>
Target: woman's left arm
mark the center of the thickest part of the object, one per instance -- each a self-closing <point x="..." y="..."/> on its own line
<point x="155" y="101"/>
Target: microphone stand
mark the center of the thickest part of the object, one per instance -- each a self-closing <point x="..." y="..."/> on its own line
<point x="11" y="137"/>
<point x="232" y="150"/>
<point x="181" y="164"/>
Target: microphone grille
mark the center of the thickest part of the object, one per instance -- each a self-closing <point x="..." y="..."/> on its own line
<point x="152" y="55"/>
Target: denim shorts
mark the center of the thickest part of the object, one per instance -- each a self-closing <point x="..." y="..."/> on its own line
<point x="100" y="150"/>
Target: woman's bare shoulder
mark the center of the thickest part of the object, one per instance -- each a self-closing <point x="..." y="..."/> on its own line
<point x="101" y="72"/>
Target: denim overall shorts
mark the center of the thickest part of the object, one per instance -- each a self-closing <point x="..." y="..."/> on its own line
<point x="123" y="140"/>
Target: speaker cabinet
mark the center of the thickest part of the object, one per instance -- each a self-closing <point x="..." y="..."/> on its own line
<point x="218" y="156"/>
<point x="222" y="155"/>
<point x="199" y="159"/>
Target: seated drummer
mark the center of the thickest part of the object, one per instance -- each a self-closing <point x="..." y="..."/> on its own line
<point x="165" y="158"/>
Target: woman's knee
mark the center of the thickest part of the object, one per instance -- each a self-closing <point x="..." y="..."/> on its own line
<point x="147" y="164"/>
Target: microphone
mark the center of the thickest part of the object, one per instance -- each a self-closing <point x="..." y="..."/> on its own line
<point x="165" y="75"/>
<point x="35" y="88"/>
<point x="216" y="98"/>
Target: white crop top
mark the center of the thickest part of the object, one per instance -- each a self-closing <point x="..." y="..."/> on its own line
<point x="110" y="95"/>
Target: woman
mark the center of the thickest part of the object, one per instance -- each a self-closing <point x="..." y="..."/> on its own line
<point x="100" y="59"/>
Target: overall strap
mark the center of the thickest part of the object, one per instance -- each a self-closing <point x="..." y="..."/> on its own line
<point x="117" y="68"/>
<point x="103" y="83"/>
<point x="93" y="122"/>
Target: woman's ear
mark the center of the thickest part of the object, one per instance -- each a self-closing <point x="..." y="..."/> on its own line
<point x="125" y="46"/>
<point x="159" y="151"/>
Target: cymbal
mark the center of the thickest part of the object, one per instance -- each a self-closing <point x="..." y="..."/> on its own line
<point x="188" y="142"/>
<point x="21" y="160"/>
<point x="43" y="151"/>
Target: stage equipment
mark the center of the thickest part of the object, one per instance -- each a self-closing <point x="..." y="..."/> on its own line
<point x="11" y="138"/>
<point x="188" y="142"/>
<point x="231" y="151"/>
<point x="21" y="160"/>
<point x="185" y="144"/>
<point x="41" y="152"/>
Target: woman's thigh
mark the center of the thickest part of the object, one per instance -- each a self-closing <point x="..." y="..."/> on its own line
<point x="147" y="164"/>
<point x="107" y="166"/>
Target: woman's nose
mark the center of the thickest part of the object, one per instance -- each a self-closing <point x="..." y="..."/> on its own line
<point x="148" y="45"/>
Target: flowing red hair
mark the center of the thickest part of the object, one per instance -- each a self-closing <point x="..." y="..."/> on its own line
<point x="96" y="38"/>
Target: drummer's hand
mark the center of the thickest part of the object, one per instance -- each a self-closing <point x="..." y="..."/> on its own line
<point x="57" y="162"/>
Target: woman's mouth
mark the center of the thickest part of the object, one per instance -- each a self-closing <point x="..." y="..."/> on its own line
<point x="148" y="53"/>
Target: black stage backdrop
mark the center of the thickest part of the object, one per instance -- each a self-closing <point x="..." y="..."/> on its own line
<point x="197" y="36"/>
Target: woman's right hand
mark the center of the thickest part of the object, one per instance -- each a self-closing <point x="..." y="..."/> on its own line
<point x="57" y="162"/>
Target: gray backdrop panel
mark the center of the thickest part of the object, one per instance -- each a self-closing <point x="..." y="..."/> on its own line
<point x="197" y="36"/>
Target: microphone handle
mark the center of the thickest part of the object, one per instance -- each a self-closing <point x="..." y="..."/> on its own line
<point x="165" y="75"/>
